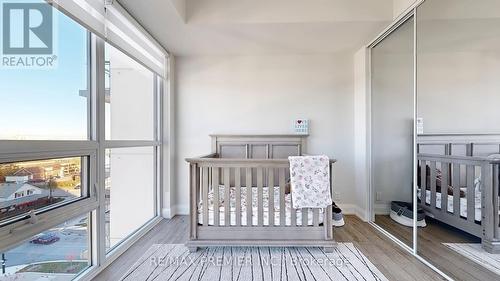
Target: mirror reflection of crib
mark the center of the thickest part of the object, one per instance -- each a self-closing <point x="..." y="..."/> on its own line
<point x="461" y="172"/>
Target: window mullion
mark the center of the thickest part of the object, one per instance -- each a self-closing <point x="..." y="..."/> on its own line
<point x="159" y="149"/>
<point x="9" y="148"/>
<point x="100" y="97"/>
<point x="128" y="143"/>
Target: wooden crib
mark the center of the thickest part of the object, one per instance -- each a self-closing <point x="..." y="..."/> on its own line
<point x="469" y="184"/>
<point x="256" y="211"/>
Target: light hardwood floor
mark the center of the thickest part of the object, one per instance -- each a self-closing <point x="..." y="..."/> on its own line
<point x="430" y="239"/>
<point x="391" y="260"/>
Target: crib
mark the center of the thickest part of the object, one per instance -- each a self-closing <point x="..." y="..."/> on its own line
<point x="461" y="184"/>
<point x="238" y="196"/>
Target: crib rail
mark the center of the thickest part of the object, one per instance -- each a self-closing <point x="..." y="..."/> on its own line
<point x="459" y="174"/>
<point x="249" y="177"/>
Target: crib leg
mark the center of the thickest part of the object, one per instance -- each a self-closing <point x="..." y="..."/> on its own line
<point x="492" y="247"/>
<point x="328" y="249"/>
<point x="192" y="249"/>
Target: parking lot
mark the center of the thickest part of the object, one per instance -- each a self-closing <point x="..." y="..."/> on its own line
<point x="73" y="245"/>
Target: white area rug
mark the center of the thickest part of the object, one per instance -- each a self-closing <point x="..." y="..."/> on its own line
<point x="474" y="252"/>
<point x="174" y="262"/>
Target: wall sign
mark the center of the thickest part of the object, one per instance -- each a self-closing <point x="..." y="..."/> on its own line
<point x="420" y="126"/>
<point x="301" y="126"/>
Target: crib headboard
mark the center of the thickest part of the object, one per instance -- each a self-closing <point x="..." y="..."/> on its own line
<point x="459" y="144"/>
<point x="258" y="146"/>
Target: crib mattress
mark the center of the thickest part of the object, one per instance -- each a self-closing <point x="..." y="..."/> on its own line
<point x="463" y="203"/>
<point x="254" y="203"/>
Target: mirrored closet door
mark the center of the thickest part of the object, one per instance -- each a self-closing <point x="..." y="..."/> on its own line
<point x="435" y="135"/>
<point x="392" y="119"/>
<point x="458" y="93"/>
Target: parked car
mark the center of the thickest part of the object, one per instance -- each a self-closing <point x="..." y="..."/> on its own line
<point x="45" y="239"/>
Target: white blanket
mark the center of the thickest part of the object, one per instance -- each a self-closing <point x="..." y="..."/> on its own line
<point x="310" y="181"/>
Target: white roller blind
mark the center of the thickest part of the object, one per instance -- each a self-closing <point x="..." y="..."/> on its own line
<point x="89" y="13"/>
<point x="109" y="20"/>
<point x="123" y="31"/>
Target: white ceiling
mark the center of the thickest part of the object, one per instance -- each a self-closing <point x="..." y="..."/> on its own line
<point x="247" y="27"/>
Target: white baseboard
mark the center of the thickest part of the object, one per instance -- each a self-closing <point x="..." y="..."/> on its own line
<point x="169" y="213"/>
<point x="166" y="213"/>
<point x="351" y="209"/>
<point x="382" y="208"/>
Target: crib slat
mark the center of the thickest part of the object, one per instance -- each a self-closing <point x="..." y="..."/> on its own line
<point x="456" y="189"/>
<point x="433" y="184"/>
<point x="487" y="216"/>
<point x="327" y="222"/>
<point x="495" y="199"/>
<point x="282" y="196"/>
<point x="227" y="198"/>
<point x="316" y="217"/>
<point x="215" y="186"/>
<point x="204" y="187"/>
<point x="199" y="170"/>
<point x="423" y="181"/>
<point x="260" y="206"/>
<point x="470" y="194"/>
<point x="305" y="216"/>
<point x="249" y="199"/>
<point x="210" y="170"/>
<point x="193" y="204"/>
<point x="270" y="189"/>
<point x="444" y="187"/>
<point x="237" y="186"/>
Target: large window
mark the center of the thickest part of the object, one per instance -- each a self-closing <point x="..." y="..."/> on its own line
<point x="48" y="158"/>
<point x="130" y="200"/>
<point x="129" y="98"/>
<point x="132" y="153"/>
<point x="49" y="103"/>
<point x="79" y="154"/>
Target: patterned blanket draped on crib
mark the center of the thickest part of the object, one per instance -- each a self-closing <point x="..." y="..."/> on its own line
<point x="310" y="181"/>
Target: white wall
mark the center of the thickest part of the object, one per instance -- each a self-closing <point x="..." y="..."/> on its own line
<point x="361" y="159"/>
<point x="169" y="145"/>
<point x="263" y="94"/>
